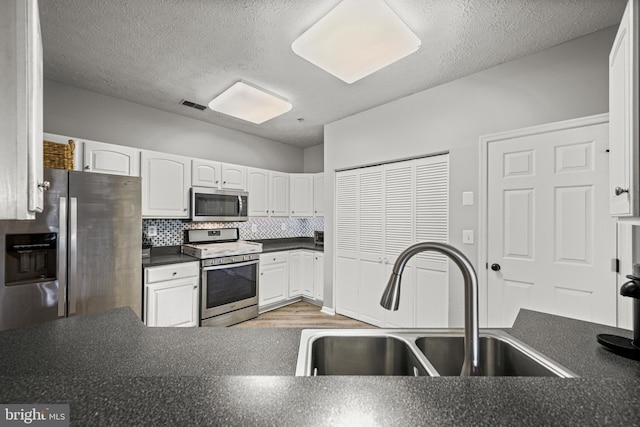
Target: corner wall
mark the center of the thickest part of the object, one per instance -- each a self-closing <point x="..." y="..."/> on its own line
<point x="83" y="114"/>
<point x="564" y="82"/>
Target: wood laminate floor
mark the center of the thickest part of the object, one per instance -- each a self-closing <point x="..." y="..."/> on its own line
<point x="301" y="315"/>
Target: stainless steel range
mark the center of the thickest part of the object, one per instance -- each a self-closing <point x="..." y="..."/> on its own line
<point x="230" y="275"/>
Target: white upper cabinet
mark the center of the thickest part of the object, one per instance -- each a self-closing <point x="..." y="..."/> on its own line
<point x="21" y="169"/>
<point x="110" y="158"/>
<point x="301" y="194"/>
<point x="318" y="194"/>
<point x="166" y="180"/>
<point x="278" y="193"/>
<point x="205" y="173"/>
<point x="623" y="117"/>
<point x="234" y="177"/>
<point x="258" y="188"/>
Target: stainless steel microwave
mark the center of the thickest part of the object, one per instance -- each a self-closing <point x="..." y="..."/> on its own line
<point x="211" y="204"/>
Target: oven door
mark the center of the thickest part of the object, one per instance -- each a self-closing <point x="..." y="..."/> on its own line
<point x="229" y="287"/>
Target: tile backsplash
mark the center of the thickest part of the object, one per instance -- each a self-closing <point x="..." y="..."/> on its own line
<point x="171" y="231"/>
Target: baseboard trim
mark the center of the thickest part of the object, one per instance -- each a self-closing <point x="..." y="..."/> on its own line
<point x="328" y="310"/>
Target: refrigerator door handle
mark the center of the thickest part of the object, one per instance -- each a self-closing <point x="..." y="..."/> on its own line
<point x="62" y="258"/>
<point x="73" y="254"/>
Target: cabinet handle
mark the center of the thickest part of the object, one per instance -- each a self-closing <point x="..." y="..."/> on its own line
<point x="174" y="273"/>
<point x="87" y="167"/>
<point x="44" y="185"/>
<point x="292" y="212"/>
<point x="195" y="287"/>
<point x="619" y="191"/>
<point x="224" y="182"/>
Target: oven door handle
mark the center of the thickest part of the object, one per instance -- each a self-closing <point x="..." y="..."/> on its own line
<point x="232" y="265"/>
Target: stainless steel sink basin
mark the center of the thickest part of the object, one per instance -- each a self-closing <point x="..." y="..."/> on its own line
<point x="362" y="355"/>
<point x="416" y="352"/>
<point x="499" y="357"/>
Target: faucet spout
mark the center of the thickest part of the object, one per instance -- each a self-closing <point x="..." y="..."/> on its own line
<point x="391" y="296"/>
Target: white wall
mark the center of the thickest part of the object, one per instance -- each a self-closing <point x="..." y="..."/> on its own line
<point x="314" y="159"/>
<point x="83" y="114"/>
<point x="564" y="82"/>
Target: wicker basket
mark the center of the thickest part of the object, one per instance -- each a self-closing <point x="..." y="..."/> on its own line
<point x="58" y="156"/>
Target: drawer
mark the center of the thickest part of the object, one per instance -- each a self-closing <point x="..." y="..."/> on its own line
<point x="274" y="258"/>
<point x="170" y="272"/>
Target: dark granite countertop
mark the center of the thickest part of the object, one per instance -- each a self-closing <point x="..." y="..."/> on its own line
<point x="113" y="370"/>
<point x="289" y="244"/>
<point x="163" y="255"/>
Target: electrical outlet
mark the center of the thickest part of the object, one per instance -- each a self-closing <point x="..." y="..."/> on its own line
<point x="283" y="226"/>
<point x="152" y="231"/>
<point x="254" y="228"/>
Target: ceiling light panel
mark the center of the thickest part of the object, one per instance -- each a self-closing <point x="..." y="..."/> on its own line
<point x="355" y="39"/>
<point x="249" y="103"/>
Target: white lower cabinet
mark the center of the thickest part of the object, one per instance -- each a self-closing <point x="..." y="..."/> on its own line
<point x="300" y="273"/>
<point x="171" y="295"/>
<point x="318" y="276"/>
<point x="289" y="275"/>
<point x="274" y="278"/>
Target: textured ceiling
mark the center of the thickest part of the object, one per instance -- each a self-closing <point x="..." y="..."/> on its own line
<point x="158" y="52"/>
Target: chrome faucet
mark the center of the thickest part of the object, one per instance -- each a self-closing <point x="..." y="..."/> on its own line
<point x="391" y="297"/>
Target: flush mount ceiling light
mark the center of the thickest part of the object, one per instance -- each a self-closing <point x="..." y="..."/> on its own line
<point x="249" y="103"/>
<point x="355" y="39"/>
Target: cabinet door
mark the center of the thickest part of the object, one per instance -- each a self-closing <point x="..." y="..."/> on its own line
<point x="166" y="180"/>
<point x="279" y="193"/>
<point x="274" y="283"/>
<point x="21" y="169"/>
<point x="173" y="303"/>
<point x="295" y="273"/>
<point x="301" y="195"/>
<point x="234" y="177"/>
<point x="623" y="117"/>
<point x="205" y="173"/>
<point x="318" y="194"/>
<point x="258" y="187"/>
<point x="318" y="276"/>
<point x="306" y="273"/>
<point x="110" y="158"/>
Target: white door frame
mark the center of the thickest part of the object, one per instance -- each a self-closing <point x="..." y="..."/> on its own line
<point x="483" y="273"/>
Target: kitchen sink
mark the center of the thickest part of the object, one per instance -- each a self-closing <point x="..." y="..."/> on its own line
<point x="364" y="355"/>
<point x="416" y="352"/>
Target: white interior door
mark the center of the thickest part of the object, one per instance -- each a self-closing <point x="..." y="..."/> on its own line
<point x="550" y="239"/>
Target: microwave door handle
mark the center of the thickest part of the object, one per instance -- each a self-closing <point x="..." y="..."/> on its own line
<point x="239" y="205"/>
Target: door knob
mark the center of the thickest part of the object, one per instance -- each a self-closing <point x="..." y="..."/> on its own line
<point x="495" y="267"/>
<point x="619" y="191"/>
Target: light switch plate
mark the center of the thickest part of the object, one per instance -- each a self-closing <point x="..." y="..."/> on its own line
<point x="254" y="228"/>
<point x="152" y="231"/>
<point x="467" y="237"/>
<point x="467" y="198"/>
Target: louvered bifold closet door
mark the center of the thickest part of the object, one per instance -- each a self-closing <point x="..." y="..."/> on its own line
<point x="371" y="225"/>
<point x="346" y="227"/>
<point x="432" y="224"/>
<point x="399" y="235"/>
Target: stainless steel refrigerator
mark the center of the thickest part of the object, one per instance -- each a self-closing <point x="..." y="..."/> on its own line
<point x="81" y="255"/>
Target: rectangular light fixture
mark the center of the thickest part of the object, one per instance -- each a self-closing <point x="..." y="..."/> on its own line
<point x="249" y="103"/>
<point x="355" y="39"/>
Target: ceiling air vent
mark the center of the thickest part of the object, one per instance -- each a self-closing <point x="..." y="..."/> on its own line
<point x="193" y="105"/>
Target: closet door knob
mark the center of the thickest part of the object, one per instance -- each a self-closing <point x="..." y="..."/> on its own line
<point x="495" y="267"/>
